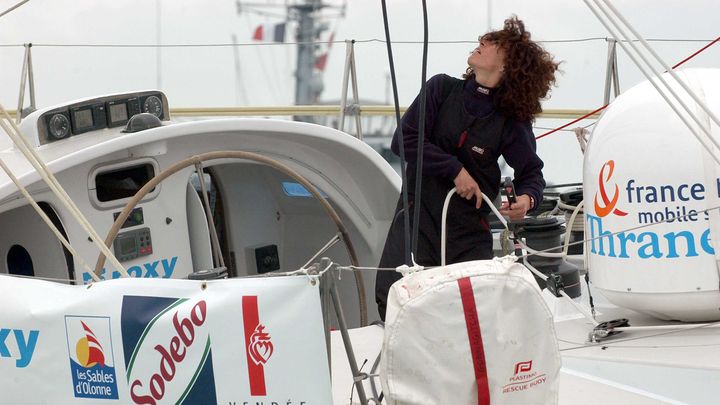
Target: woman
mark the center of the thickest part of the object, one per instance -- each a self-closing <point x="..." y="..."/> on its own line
<point x="470" y="124"/>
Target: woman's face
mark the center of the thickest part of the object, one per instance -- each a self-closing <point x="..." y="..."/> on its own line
<point x="488" y="57"/>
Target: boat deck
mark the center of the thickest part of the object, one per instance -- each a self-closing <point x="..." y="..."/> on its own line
<point x="675" y="365"/>
<point x="638" y="367"/>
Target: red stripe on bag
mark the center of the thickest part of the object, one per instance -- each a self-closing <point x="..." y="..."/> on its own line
<point x="475" y="339"/>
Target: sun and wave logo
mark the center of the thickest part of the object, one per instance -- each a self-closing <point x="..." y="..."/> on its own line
<point x="606" y="205"/>
<point x="89" y="350"/>
<point x="91" y="359"/>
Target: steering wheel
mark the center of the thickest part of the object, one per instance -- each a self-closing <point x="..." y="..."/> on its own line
<point x="197" y="159"/>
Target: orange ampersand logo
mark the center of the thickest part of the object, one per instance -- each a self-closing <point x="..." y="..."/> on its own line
<point x="609" y="205"/>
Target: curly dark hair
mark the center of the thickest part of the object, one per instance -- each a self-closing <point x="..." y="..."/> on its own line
<point x="529" y="71"/>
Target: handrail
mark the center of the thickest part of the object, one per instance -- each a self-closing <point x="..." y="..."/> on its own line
<point x="335" y="109"/>
<point x="565" y="113"/>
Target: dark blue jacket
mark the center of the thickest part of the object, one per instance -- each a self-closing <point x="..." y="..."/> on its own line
<point x="518" y="148"/>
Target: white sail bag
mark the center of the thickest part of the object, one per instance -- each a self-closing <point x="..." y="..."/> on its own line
<point x="470" y="333"/>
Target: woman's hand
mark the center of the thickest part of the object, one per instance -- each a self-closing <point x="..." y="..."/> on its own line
<point x="467" y="187"/>
<point x="517" y="210"/>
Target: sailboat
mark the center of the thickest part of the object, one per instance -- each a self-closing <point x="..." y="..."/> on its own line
<point x="227" y="241"/>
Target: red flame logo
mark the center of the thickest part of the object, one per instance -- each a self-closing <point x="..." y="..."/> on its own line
<point x="260" y="347"/>
<point x="608" y="203"/>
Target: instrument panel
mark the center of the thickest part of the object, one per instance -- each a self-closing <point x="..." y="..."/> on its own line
<point x="100" y="113"/>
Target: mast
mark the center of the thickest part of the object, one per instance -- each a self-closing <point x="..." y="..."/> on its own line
<point x="308" y="79"/>
<point x="307" y="85"/>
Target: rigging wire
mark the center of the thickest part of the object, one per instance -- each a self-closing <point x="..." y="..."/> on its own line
<point x="554" y="186"/>
<point x="559" y="247"/>
<point x="421" y="134"/>
<point x="694" y="54"/>
<point x="607" y="235"/>
<point x="13" y="7"/>
<point x="33" y="157"/>
<point x="655" y="78"/>
<point x="47" y="220"/>
<point x="401" y="138"/>
<point x="565" y="129"/>
<point x="55" y="279"/>
<point x="549" y="251"/>
<point x="612" y="343"/>
<point x="368" y="40"/>
<point x="619" y="17"/>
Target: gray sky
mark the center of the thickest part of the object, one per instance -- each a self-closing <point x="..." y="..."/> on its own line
<point x="205" y="77"/>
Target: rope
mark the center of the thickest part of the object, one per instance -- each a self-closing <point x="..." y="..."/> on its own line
<point x="546" y="252"/>
<point x="603" y="107"/>
<point x="401" y="138"/>
<point x="668" y="69"/>
<point x="47" y="220"/>
<point x="553" y="186"/>
<point x="566" y="130"/>
<point x="582" y="137"/>
<point x="62" y="280"/>
<point x="615" y="28"/>
<point x="22" y="143"/>
<point x="360" y="268"/>
<point x="446" y="204"/>
<point x="695" y="53"/>
<point x="572" y="122"/>
<point x="577" y="306"/>
<point x="612" y="343"/>
<point x="335" y="239"/>
<point x="311" y="274"/>
<point x="570" y="213"/>
<point x="549" y="250"/>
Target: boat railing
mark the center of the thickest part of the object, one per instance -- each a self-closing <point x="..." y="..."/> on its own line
<point x="330" y="111"/>
<point x="349" y="105"/>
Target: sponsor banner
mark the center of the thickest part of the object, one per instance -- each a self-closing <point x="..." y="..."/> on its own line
<point x="149" y="341"/>
<point x="655" y="227"/>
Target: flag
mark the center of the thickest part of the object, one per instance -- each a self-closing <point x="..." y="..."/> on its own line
<point x="321" y="60"/>
<point x="270" y="32"/>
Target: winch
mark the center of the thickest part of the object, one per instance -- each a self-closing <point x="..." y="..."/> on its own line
<point x="545" y="234"/>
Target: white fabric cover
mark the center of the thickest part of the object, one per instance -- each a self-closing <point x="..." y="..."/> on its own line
<point x="426" y="357"/>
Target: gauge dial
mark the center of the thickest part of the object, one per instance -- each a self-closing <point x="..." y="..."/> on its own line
<point x="59" y="126"/>
<point x="154" y="106"/>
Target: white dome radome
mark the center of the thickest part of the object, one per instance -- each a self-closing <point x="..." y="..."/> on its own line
<point x="643" y="165"/>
